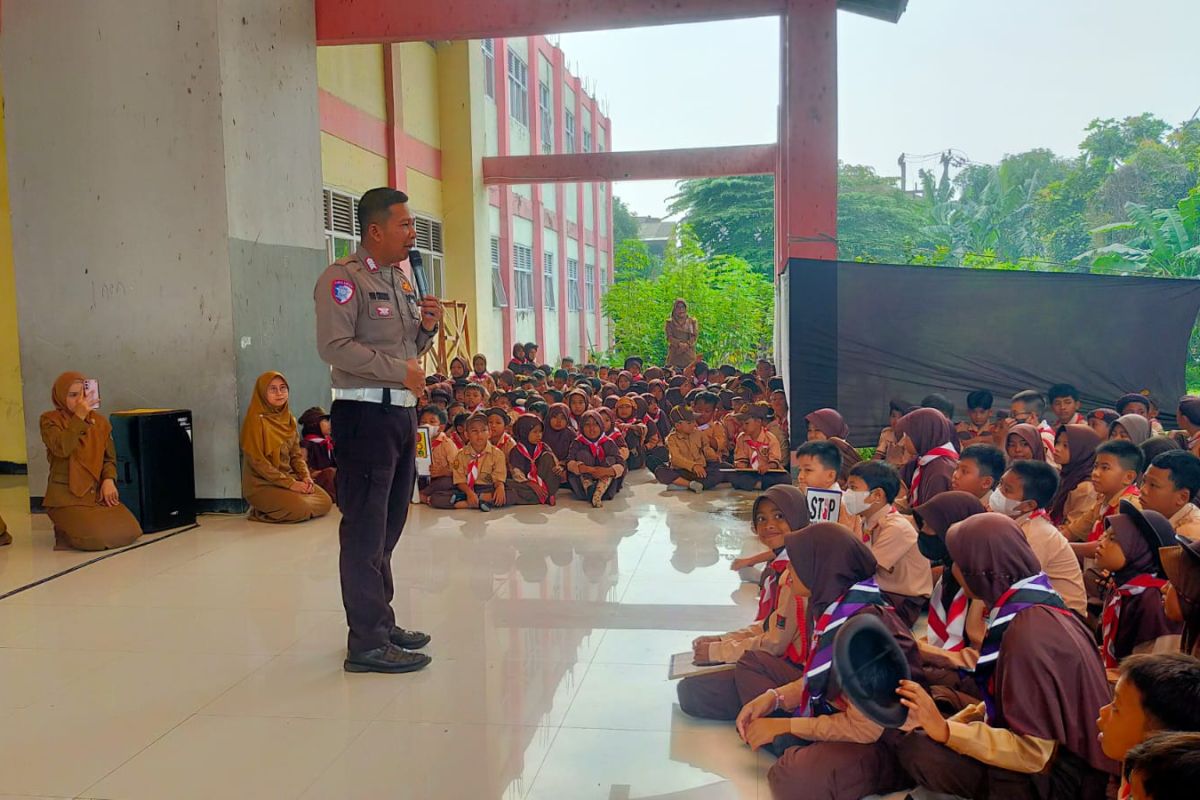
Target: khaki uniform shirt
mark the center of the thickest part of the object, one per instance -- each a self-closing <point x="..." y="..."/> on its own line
<point x="1186" y="521"/>
<point x="771" y="455"/>
<point x="689" y="451"/>
<point x="1079" y="512"/>
<point x="493" y="469"/>
<point x="893" y="540"/>
<point x="1057" y="558"/>
<point x="441" y="460"/>
<point x="716" y="437"/>
<point x="772" y="635"/>
<point x="368" y="323"/>
<point x="60" y="444"/>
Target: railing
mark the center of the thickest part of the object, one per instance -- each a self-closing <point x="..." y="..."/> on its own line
<point x="454" y="339"/>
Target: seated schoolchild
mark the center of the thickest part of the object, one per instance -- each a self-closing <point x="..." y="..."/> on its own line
<point x="593" y="462"/>
<point x="610" y="432"/>
<point x="1101" y="421"/>
<point x="534" y="474"/>
<point x="694" y="463"/>
<point x="1140" y="404"/>
<point x="1171" y="487"/>
<point x="577" y="401"/>
<point x="955" y="631"/>
<point x="1024" y="443"/>
<point x="1131" y="428"/>
<point x="1073" y="509"/>
<point x="818" y="465"/>
<point x="940" y="402"/>
<point x="275" y="478"/>
<point x="771" y="651"/>
<point x="889" y="448"/>
<point x="928" y="437"/>
<point x="479" y="470"/>
<point x="458" y="368"/>
<point x="780" y="424"/>
<point x="1187" y="416"/>
<point x="1034" y="735"/>
<point x="438" y="488"/>
<point x="978" y="427"/>
<point x="978" y="470"/>
<point x="1154" y="694"/>
<point x="757" y="451"/>
<point x="826" y="424"/>
<point x="658" y="427"/>
<point x="1115" y="474"/>
<point x="1064" y="402"/>
<point x="317" y="442"/>
<point x="902" y="572"/>
<point x="1133" y="620"/>
<point x="632" y="429"/>
<point x="1155" y="446"/>
<point x="479" y="373"/>
<point x="458" y="428"/>
<point x="498" y="421"/>
<point x="705" y="408"/>
<point x="1164" y="767"/>
<point x="473" y="397"/>
<point x="1025" y="491"/>
<point x="558" y="433"/>
<point x="1181" y="596"/>
<point x="81" y="490"/>
<point x="830" y="749"/>
<point x="1029" y="407"/>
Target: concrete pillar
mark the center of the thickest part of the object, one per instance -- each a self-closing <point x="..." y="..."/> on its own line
<point x="464" y="198"/>
<point x="164" y="167"/>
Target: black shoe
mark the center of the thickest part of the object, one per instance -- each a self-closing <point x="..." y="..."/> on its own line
<point x="389" y="659"/>
<point x="485" y="505"/>
<point x="409" y="640"/>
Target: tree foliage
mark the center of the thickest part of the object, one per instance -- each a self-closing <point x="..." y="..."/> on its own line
<point x="625" y="225"/>
<point x="633" y="260"/>
<point x="732" y="301"/>
<point x="731" y="216"/>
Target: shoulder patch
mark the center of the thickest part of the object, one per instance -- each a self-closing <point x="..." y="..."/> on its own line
<point x="342" y="291"/>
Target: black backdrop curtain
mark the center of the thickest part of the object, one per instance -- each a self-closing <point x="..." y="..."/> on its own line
<point x="862" y="334"/>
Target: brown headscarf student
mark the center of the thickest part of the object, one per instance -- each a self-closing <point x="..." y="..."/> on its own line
<point x="317" y="440"/>
<point x="81" y="492"/>
<point x="889" y="449"/>
<point x="1024" y="443"/>
<point x="559" y="431"/>
<point x="1181" y="597"/>
<point x="1074" y="504"/>
<point x="632" y="428"/>
<point x="1188" y="419"/>
<point x="682" y="331"/>
<point x="275" y="478"/>
<point x="827" y="423"/>
<point x="1035" y="734"/>
<point x="1131" y="427"/>
<point x="479" y="373"/>
<point x="534" y="474"/>
<point x="843" y="755"/>
<point x="1133" y="620"/>
<point x="593" y="463"/>
<point x="772" y="650"/>
<point x="929" y="439"/>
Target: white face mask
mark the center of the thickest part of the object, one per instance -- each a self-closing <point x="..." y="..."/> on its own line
<point x="855" y="502"/>
<point x="1003" y="505"/>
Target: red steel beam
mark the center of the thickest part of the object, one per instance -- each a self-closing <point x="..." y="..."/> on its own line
<point x="382" y="21"/>
<point x="642" y="165"/>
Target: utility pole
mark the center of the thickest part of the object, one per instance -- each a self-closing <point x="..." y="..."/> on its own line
<point x="946" y="159"/>
<point x="903" y="173"/>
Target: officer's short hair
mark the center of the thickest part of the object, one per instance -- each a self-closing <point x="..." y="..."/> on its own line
<point x="376" y="204"/>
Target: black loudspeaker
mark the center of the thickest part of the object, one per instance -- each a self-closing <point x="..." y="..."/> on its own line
<point x="156" y="475"/>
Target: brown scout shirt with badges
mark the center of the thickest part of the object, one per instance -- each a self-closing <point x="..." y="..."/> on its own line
<point x="368" y="323"/>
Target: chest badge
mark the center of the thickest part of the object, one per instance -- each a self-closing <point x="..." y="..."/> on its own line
<point x="406" y="286"/>
<point x="383" y="311"/>
<point x="342" y="291"/>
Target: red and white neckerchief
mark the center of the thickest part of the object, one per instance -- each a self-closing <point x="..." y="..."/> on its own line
<point x="597" y="447"/>
<point x="947" y="629"/>
<point x="1109" y="510"/>
<point x="768" y="596"/>
<point x="533" y="476"/>
<point x="325" y="440"/>
<point x="473" y="468"/>
<point x="704" y="427"/>
<point x="1193" y="442"/>
<point x="479" y="377"/>
<point x="1112" y="613"/>
<point x="479" y="409"/>
<point x="944" y="451"/>
<point x="505" y="439"/>
<point x="800" y="646"/>
<point x="757" y="451"/>
<point x="458" y="441"/>
<point x="649" y="420"/>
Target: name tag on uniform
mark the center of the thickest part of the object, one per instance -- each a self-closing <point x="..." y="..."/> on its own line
<point x="383" y="311"/>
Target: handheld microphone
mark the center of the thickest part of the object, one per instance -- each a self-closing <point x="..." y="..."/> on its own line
<point x="418" y="270"/>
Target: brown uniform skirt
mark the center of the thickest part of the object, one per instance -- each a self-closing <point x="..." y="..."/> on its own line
<point x="94" y="527"/>
<point x="278" y="505"/>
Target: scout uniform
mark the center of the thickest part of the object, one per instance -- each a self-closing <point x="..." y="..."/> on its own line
<point x="368" y="327"/>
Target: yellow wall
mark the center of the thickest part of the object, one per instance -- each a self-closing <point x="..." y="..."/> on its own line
<point x="12" y="419"/>
<point x="419" y="84"/>
<point x="355" y="74"/>
<point x="426" y="193"/>
<point x="350" y="168"/>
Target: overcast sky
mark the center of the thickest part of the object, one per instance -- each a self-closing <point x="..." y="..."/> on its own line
<point x="987" y="78"/>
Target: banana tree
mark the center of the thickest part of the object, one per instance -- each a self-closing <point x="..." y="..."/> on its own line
<point x="1161" y="242"/>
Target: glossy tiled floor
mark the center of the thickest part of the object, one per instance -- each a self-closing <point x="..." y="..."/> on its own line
<point x="209" y="664"/>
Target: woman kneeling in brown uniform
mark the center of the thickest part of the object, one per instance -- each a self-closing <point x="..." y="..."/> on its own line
<point x="275" y="477"/>
<point x="81" y="494"/>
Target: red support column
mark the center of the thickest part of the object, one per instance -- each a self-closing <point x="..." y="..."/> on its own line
<point x="595" y="221"/>
<point x="608" y="213"/>
<point x="394" y="103"/>
<point x="576" y="84"/>
<point x="535" y="192"/>
<point x="806" y="186"/>
<point x="558" y="92"/>
<point x="508" y="314"/>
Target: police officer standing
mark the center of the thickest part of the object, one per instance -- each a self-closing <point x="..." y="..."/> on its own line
<point x="371" y="329"/>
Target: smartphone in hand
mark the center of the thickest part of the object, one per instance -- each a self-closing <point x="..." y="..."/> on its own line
<point x="91" y="393"/>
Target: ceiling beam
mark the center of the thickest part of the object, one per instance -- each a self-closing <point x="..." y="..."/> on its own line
<point x="642" y="165"/>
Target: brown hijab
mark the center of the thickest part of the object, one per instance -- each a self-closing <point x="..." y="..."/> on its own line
<point x="939" y="514"/>
<point x="927" y="427"/>
<point x="828" y="559"/>
<point x="831" y="423"/>
<point x="1031" y="437"/>
<point x="86" y="461"/>
<point x="1082" y="442"/>
<point x="1181" y="563"/>
<point x="680" y="325"/>
<point x="1049" y="681"/>
<point x="791" y="502"/>
<point x="266" y="429"/>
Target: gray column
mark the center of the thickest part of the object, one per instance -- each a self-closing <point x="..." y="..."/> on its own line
<point x="164" y="168"/>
